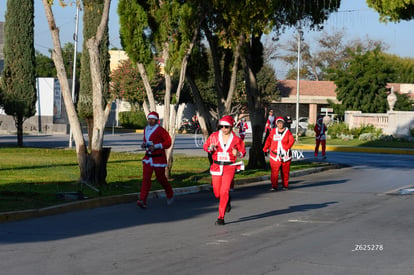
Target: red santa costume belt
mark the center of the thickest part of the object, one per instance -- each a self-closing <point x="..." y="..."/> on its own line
<point x="153" y="156"/>
<point x="223" y="162"/>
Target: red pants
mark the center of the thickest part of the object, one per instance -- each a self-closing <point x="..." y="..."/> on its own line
<point x="221" y="187"/>
<point x="242" y="136"/>
<point x="323" y="145"/>
<point x="146" y="181"/>
<point x="274" y="174"/>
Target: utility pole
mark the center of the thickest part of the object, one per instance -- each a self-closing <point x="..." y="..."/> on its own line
<point x="75" y="38"/>
<point x="298" y="82"/>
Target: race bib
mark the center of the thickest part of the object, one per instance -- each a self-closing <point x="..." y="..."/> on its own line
<point x="277" y="138"/>
<point x="223" y="156"/>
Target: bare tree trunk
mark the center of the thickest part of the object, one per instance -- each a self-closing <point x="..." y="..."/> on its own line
<point x="146" y="108"/>
<point x="147" y="85"/>
<point x="218" y="79"/>
<point x="204" y="117"/>
<point x="89" y="125"/>
<point x="172" y="119"/>
<point x="233" y="79"/>
<point x="66" y="93"/>
<point x="89" y="172"/>
<point x="167" y="97"/>
<point x="101" y="109"/>
<point x="256" y="155"/>
<point x="18" y="121"/>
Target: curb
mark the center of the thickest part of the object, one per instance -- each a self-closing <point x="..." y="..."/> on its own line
<point x="128" y="198"/>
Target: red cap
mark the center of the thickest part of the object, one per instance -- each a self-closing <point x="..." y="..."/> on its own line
<point x="280" y="118"/>
<point x="226" y="120"/>
<point x="153" y="115"/>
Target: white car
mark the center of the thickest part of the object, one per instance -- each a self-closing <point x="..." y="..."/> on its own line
<point x="302" y="127"/>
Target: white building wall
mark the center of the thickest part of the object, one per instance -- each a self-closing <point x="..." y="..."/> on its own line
<point x="45" y="96"/>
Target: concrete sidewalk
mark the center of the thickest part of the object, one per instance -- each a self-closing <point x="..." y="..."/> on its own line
<point x="339" y="148"/>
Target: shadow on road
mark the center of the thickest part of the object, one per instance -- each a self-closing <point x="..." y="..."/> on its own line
<point x="290" y="209"/>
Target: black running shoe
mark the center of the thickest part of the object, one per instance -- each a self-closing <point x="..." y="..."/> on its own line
<point x="141" y="204"/>
<point x="220" y="222"/>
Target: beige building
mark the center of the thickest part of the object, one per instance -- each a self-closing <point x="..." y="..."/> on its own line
<point x="116" y="57"/>
<point x="314" y="95"/>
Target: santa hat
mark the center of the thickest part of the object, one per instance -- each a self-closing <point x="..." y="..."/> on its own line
<point x="280" y="118"/>
<point x="226" y="120"/>
<point x="153" y="115"/>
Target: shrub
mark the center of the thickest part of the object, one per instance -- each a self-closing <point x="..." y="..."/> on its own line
<point x="367" y="136"/>
<point x="133" y="120"/>
<point x="340" y="130"/>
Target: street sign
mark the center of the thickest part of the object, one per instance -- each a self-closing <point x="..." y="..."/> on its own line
<point x="327" y="110"/>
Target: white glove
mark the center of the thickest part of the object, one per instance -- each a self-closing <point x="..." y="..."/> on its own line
<point x="158" y="146"/>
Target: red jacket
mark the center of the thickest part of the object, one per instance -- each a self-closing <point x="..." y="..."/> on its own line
<point x="161" y="140"/>
<point x="279" y="144"/>
<point x="223" y="152"/>
<point x="242" y="127"/>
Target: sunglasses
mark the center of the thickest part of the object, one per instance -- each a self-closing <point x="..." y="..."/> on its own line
<point x="224" y="126"/>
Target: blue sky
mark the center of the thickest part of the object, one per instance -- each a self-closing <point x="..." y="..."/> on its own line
<point x="65" y="20"/>
<point x="355" y="18"/>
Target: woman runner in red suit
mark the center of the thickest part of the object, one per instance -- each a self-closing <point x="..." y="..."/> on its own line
<point x="278" y="145"/>
<point x="225" y="147"/>
<point x="156" y="140"/>
<point x="320" y="137"/>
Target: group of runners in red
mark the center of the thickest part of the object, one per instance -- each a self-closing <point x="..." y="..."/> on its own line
<point x="227" y="149"/>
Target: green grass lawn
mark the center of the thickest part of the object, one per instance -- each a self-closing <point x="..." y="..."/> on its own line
<point x="32" y="177"/>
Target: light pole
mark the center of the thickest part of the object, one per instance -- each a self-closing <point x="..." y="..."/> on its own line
<point x="75" y="38"/>
<point x="300" y="33"/>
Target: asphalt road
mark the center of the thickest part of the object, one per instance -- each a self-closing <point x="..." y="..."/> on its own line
<point x="345" y="221"/>
<point x="119" y="142"/>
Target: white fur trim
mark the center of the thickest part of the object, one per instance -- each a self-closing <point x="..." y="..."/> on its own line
<point x="149" y="161"/>
<point x="224" y="123"/>
<point x="152" y="116"/>
<point x="217" y="173"/>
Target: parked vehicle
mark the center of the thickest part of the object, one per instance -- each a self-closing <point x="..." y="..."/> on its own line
<point x="302" y="126"/>
<point x="187" y="126"/>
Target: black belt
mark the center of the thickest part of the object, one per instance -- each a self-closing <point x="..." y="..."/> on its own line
<point x="223" y="162"/>
<point x="153" y="156"/>
<point x="278" y="155"/>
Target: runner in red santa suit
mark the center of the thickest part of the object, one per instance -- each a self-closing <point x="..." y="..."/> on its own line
<point x="156" y="140"/>
<point x="242" y="125"/>
<point x="270" y="124"/>
<point x="278" y="145"/>
<point x="320" y="137"/>
<point x="225" y="147"/>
